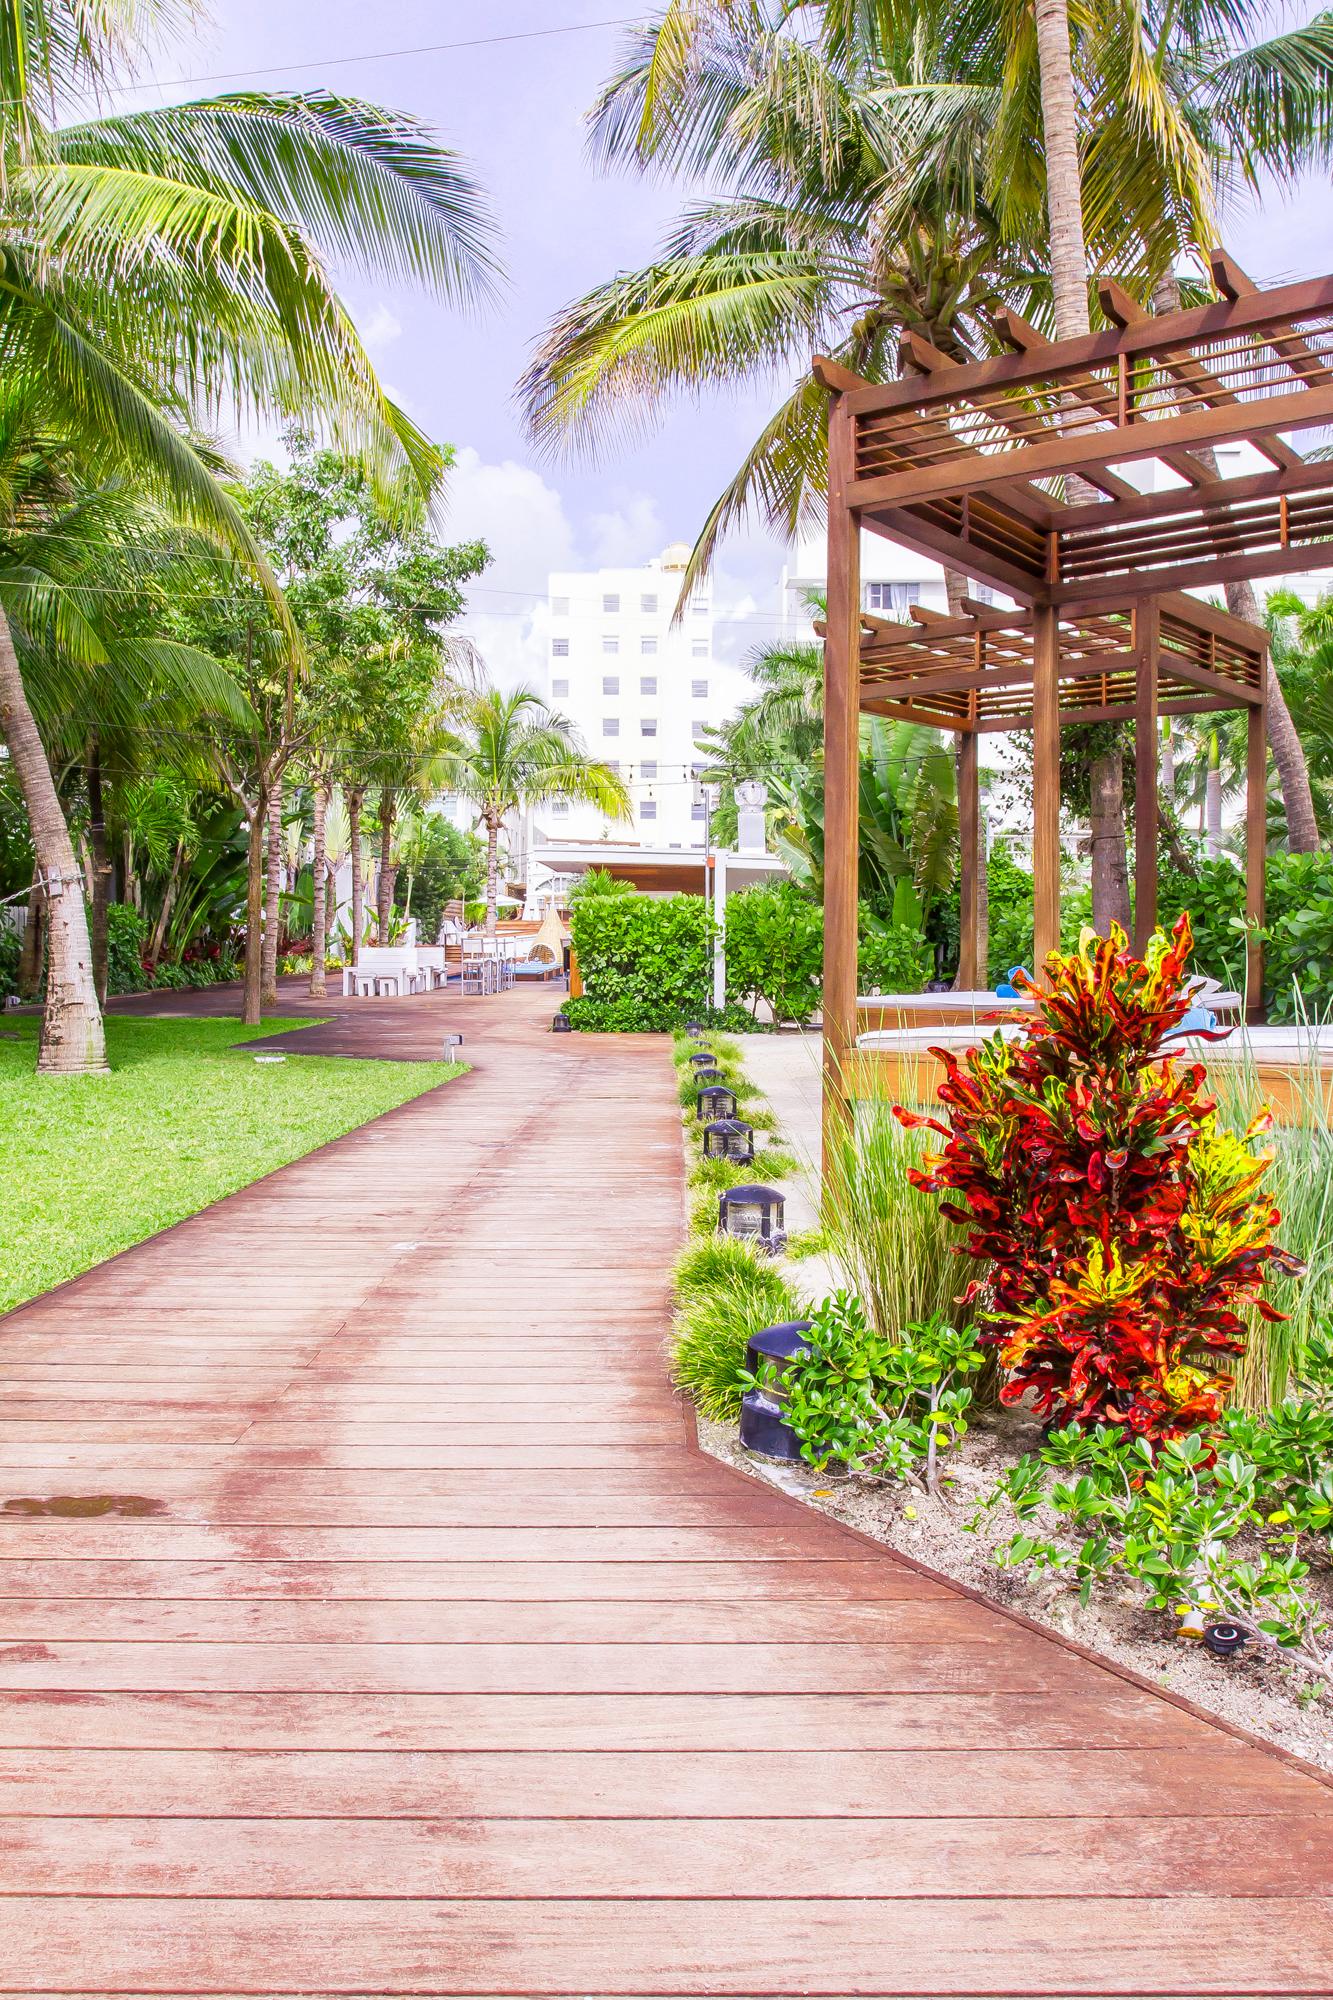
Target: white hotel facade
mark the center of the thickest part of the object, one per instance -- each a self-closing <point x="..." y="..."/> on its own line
<point x="640" y="691"/>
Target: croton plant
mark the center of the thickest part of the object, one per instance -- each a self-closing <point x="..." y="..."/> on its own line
<point x="1120" y="1229"/>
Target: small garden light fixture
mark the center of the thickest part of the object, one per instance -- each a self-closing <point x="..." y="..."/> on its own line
<point x="1224" y="1639"/>
<point x="703" y="1058"/>
<point x="452" y="1042"/>
<point x="560" y="1025"/>
<point x="755" y="1213"/>
<point x="714" y="1101"/>
<point x="709" y="1075"/>
<point x="695" y="1028"/>
<point x="729" y="1139"/>
<point x="764" y="1429"/>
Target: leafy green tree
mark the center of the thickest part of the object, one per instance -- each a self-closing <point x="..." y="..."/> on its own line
<point x="165" y="264"/>
<point x="511" y="752"/>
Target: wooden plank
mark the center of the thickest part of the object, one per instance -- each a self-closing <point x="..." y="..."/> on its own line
<point x="1045" y="786"/>
<point x="1256" y="852"/>
<point x="841" y="1860"/>
<point x="1147" y="635"/>
<point x="842" y="724"/>
<point x="1271" y="1945"/>
<point x="1019" y="1785"/>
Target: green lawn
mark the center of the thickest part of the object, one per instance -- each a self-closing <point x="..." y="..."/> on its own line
<point x="93" y="1164"/>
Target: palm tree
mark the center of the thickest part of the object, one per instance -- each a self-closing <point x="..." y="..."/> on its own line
<point x="512" y="752"/>
<point x="168" y="265"/>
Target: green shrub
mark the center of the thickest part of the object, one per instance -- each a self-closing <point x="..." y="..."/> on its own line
<point x="1298" y="949"/>
<point x="882" y="1408"/>
<point x="126" y="936"/>
<point x="724" y="1293"/>
<point x="11" y="945"/>
<point x="892" y="958"/>
<point x="775" y="949"/>
<point x="646" y="962"/>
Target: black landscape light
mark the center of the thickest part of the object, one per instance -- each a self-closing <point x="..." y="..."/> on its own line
<point x="764" y="1428"/>
<point x="729" y="1139"/>
<point x="560" y="1025"/>
<point x="1224" y="1639"/>
<point x="714" y="1101"/>
<point x="756" y="1214"/>
<point x="703" y="1058"/>
<point x="709" y="1075"/>
<point x="694" y="1028"/>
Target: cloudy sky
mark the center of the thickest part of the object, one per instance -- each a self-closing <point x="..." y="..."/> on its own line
<point x="515" y="108"/>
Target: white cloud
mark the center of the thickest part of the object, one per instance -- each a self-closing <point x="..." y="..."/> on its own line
<point x="627" y="535"/>
<point x="523" y="522"/>
<point x="381" y="330"/>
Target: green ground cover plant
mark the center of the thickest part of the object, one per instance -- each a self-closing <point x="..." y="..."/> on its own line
<point x="96" y="1163"/>
<point x="873" y="1405"/>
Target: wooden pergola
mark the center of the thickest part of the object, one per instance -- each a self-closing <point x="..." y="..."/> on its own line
<point x="967" y="463"/>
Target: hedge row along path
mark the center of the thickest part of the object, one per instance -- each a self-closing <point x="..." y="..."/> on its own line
<point x="372" y="1625"/>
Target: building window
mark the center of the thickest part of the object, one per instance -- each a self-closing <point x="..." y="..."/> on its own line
<point x="613" y="764"/>
<point x="648" y="727"/>
<point x="610" y="683"/>
<point x="560" y="607"/>
<point x="560" y="649"/>
<point x="699" y="610"/>
<point x="611" y="602"/>
<point x="697" y="769"/>
<point x="699" y="725"/>
<point x="699" y="689"/>
<point x="648" y="768"/>
<point x="698" y="649"/>
<point x="610" y="643"/>
<point x="648" y="602"/>
<point x="560" y="808"/>
<point x="698" y="809"/>
<point x="648" y="810"/>
<point x="559" y="687"/>
<point x="983" y="593"/>
<point x="897" y="597"/>
<point x="647" y="683"/>
<point x="610" y="725"/>
<point x="648" y="643"/>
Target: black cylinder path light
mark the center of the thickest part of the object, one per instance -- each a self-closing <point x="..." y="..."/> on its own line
<point x="695" y="1028"/>
<point x="714" y="1101"/>
<point x="756" y="1215"/>
<point x="764" y="1428"/>
<point x="703" y="1059"/>
<point x="709" y="1075"/>
<point x="729" y="1139"/>
<point x="560" y="1025"/>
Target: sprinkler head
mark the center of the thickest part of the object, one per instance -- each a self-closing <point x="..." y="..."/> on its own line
<point x="1224" y="1639"/>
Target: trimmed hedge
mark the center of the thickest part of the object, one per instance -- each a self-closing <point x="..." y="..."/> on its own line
<point x="646" y="962"/>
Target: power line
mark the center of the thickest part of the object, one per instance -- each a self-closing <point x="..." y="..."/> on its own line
<point x="378" y="55"/>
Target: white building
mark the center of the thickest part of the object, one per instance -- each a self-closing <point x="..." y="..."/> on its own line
<point x="641" y="692"/>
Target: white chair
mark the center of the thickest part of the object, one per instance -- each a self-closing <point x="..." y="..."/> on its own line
<point x="430" y="960"/>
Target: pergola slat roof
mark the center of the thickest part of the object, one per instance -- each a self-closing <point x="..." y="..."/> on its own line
<point x="950" y="459"/>
<point x="968" y="463"/>
<point x="975" y="672"/>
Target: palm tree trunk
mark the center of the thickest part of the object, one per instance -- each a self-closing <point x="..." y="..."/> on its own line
<point x="1284" y="742"/>
<point x="354" y="795"/>
<point x="73" y="1039"/>
<point x="492" y="875"/>
<point x="268" y="961"/>
<point x="1064" y="188"/>
<point x="1110" y="874"/>
<point x="387" y="872"/>
<point x="101" y="871"/>
<point x="319" y="898"/>
<point x="254" y="907"/>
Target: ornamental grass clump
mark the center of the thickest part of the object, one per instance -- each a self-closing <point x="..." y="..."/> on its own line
<point x="1122" y="1230"/>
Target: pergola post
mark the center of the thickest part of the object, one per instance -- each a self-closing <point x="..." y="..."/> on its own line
<point x="1256" y="855"/>
<point x="1147" y="642"/>
<point x="969" y="838"/>
<point x="1045" y="785"/>
<point x="842" y="761"/>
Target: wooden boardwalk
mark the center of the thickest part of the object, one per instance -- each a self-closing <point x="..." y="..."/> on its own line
<point x="371" y="1625"/>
